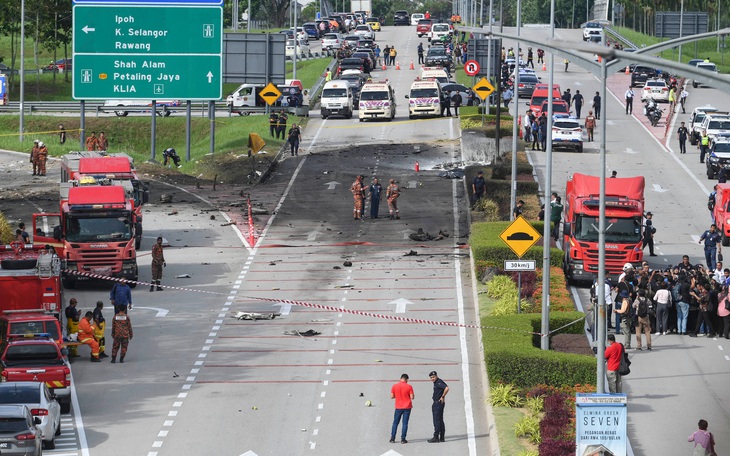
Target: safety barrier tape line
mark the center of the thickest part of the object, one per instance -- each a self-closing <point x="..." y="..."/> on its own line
<point x="328" y="308"/>
<point x="251" y="228"/>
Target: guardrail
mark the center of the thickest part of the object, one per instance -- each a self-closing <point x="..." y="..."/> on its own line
<point x="620" y="37"/>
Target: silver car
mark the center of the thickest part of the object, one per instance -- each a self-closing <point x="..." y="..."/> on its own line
<point x="42" y="405"/>
<point x="19" y="431"/>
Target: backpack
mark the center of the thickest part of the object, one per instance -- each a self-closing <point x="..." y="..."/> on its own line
<point x="676" y="292"/>
<point x="711" y="201"/>
<point x="623" y="368"/>
<point x="643" y="308"/>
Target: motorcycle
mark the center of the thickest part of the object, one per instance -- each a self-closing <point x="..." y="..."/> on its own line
<point x="652" y="112"/>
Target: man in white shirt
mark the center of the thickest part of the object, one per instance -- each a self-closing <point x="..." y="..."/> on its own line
<point x="629" y="100"/>
<point x="527" y="124"/>
<point x="718" y="273"/>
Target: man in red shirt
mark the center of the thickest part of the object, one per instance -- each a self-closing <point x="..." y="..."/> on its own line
<point x="403" y="394"/>
<point x="613" y="355"/>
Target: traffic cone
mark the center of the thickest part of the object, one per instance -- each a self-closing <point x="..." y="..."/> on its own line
<point x="544" y="67"/>
<point x="397" y="65"/>
<point x="384" y="68"/>
<point x="627" y="69"/>
<point x="412" y="67"/>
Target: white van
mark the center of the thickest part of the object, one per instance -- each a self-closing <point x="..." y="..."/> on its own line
<point x="424" y="99"/>
<point x="133" y="103"/>
<point x="377" y="100"/>
<point x="337" y="99"/>
<point x="437" y="73"/>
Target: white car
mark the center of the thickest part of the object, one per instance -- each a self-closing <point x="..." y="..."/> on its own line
<point x="592" y="29"/>
<point x="332" y="41"/>
<point x="655" y="88"/>
<point x="438" y="31"/>
<point x="41" y="403"/>
<point x="415" y="17"/>
<point x="302" y="34"/>
<point x="302" y="48"/>
<point x="365" y="31"/>
<point x="567" y="132"/>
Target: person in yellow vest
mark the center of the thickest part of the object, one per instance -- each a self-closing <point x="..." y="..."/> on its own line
<point x="86" y="336"/>
<point x="327" y="75"/>
<point x="99" y="327"/>
<point x="704" y="145"/>
<point x="393" y="53"/>
<point x="72" y="324"/>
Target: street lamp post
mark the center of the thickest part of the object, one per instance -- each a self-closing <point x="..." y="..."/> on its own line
<point x="22" y="69"/>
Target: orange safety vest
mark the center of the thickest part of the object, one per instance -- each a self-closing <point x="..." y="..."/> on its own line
<point x="86" y="330"/>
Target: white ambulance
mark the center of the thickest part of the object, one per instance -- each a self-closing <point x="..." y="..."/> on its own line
<point x="377" y="101"/>
<point x="424" y="99"/>
<point x="336" y="99"/>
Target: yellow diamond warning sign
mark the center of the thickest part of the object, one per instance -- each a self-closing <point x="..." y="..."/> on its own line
<point x="270" y="94"/>
<point x="520" y="236"/>
<point x="483" y="88"/>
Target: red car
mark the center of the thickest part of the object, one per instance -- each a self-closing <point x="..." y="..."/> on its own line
<point x="424" y="27"/>
<point x="60" y="65"/>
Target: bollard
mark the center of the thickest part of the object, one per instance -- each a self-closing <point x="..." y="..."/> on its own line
<point x="418" y="167"/>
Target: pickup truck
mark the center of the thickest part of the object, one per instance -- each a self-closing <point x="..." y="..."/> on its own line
<point x="37" y="358"/>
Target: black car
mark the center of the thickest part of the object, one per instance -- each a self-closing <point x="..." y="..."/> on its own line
<point x="641" y="74"/>
<point x="402" y="18"/>
<point x="437" y="56"/>
<point x="719" y="156"/>
<point x="355" y="63"/>
<point x="366" y="58"/>
<point x="527" y="84"/>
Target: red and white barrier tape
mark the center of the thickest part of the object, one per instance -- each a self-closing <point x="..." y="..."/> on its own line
<point x="327" y="308"/>
<point x="251" y="230"/>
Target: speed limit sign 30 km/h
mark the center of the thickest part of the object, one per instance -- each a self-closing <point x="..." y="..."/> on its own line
<point x="471" y="67"/>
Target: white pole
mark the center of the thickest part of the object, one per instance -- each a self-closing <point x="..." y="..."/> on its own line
<point x="22" y="69"/>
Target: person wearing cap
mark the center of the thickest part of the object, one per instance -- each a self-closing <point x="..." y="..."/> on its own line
<point x="42" y="158"/>
<point x="517" y="211"/>
<point x="34" y="157"/>
<point x="357" y="193"/>
<point x="613" y="355"/>
<point x="478" y="187"/>
<point x="648" y="238"/>
<point x="158" y="262"/>
<point x="99" y="328"/>
<point x="72" y="324"/>
<point x="392" y="193"/>
<point x="403" y="394"/>
<point x="711" y="237"/>
<point x="440" y="390"/>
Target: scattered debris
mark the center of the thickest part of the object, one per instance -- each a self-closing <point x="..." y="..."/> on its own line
<point x="336" y="267"/>
<point x="174" y="374"/>
<point x="307" y="333"/>
<point x="256" y="316"/>
<point x="254" y="408"/>
<point x="347" y="264"/>
<point x="229" y="223"/>
<point x="411" y="253"/>
<point x="259" y="211"/>
<point x="452" y="174"/>
<point x="421" y="236"/>
<point x="212" y="217"/>
<point x="368" y="403"/>
<point x="172" y="213"/>
<point x="345" y="286"/>
<point x="362" y="394"/>
<point x="165" y="198"/>
<point x="182" y="276"/>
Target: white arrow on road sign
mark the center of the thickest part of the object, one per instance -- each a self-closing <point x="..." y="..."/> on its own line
<point x="285" y="308"/>
<point x="88" y="29"/>
<point x="631" y="151"/>
<point x="332" y="185"/>
<point x="400" y="305"/>
<point x="658" y="188"/>
<point x="160" y="312"/>
<point x="406" y="233"/>
<point x="312" y="235"/>
<point x="209" y="76"/>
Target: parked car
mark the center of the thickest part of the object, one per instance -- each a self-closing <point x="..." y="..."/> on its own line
<point x="424" y="27"/>
<point x="60" y="65"/>
<point x="527" y="84"/>
<point x="312" y="29"/>
<point x="401" y="17"/>
<point x="367" y="57"/>
<point x="365" y="31"/>
<point x="560" y="107"/>
<point x="453" y="87"/>
<point x="373" y="60"/>
<point x="438" y="31"/>
<point x="332" y="41"/>
<point x="365" y="44"/>
<point x="437" y="56"/>
<point x="655" y="88"/>
<point x="641" y="74"/>
<point x="41" y="403"/>
<point x="19" y="431"/>
<point x="351" y="41"/>
<point x="415" y="17"/>
<point x="719" y="156"/>
<point x="352" y="63"/>
<point x="567" y="132"/>
<point x="374" y="22"/>
<point x="302" y="48"/>
<point x="695" y="121"/>
<point x="591" y="29"/>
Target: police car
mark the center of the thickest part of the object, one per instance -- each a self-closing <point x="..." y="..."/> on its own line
<point x="567" y="132"/>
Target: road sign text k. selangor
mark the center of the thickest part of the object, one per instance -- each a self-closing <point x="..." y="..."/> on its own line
<point x="147" y="50"/>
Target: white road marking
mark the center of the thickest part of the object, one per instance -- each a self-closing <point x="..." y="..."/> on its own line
<point x="400" y="305"/>
<point x="160" y="312"/>
<point x="284" y="309"/>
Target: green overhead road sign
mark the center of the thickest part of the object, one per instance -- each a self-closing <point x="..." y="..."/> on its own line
<point x="147" y="52"/>
<point x="135" y="76"/>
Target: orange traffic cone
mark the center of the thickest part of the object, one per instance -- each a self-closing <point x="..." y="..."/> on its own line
<point x="384" y="68"/>
<point x="627" y="69"/>
<point x="544" y="67"/>
<point x="397" y="65"/>
<point x="412" y="68"/>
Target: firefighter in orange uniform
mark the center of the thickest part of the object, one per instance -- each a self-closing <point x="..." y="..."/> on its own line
<point x="357" y="193"/>
<point x="392" y="193"/>
<point x="92" y="142"/>
<point x="34" y="157"/>
<point x="42" y="157"/>
<point x="86" y="336"/>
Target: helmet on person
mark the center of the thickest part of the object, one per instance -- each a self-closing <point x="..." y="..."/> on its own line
<point x="36" y="141"/>
<point x="41" y="144"/>
<point x="628" y="267"/>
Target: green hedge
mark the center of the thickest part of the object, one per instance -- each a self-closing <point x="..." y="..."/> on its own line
<point x="513" y="354"/>
<point x="486" y="245"/>
<point x="503" y="171"/>
<point x="502" y="189"/>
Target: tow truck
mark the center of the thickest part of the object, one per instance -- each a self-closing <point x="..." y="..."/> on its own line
<point x="93" y="233"/>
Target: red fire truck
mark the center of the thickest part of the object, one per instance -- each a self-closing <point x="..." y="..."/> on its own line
<point x="94" y="168"/>
<point x="94" y="232"/>
<point x="624" y="218"/>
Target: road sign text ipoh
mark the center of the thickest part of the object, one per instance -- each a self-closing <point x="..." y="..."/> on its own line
<point x="147" y="51"/>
